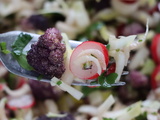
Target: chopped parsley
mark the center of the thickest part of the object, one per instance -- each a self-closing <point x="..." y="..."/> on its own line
<point x="59" y="82"/>
<point x="108" y="46"/>
<point x="17" y="50"/>
<point x="117" y="50"/>
<point x="3" y="47"/>
<point x="140" y="40"/>
<point x="105" y="81"/>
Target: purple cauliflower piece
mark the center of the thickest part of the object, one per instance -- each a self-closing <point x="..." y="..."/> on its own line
<point x="46" y="55"/>
<point x="42" y="90"/>
<point x="132" y="29"/>
<point x="138" y="80"/>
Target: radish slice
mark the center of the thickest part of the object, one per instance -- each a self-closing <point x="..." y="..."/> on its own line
<point x="2" y="86"/>
<point x="92" y="54"/>
<point x="22" y="102"/>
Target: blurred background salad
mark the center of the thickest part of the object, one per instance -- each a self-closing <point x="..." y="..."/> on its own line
<point x="23" y="99"/>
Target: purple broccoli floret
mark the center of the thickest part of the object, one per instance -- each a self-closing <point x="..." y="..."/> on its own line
<point x="46" y="55"/>
<point x="38" y="22"/>
<point x="138" y="80"/>
<point x="43" y="90"/>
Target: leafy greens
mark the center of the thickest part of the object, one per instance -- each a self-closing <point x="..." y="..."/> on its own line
<point x="17" y="50"/>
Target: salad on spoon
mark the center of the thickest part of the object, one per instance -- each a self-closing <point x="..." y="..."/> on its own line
<point x="52" y="56"/>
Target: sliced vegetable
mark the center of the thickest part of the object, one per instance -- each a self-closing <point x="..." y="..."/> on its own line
<point x="74" y="92"/>
<point x="128" y="1"/>
<point x="155" y="49"/>
<point x="22" y="102"/>
<point x="3" y="115"/>
<point x="155" y="78"/>
<point x="89" y="60"/>
<point x="2" y="85"/>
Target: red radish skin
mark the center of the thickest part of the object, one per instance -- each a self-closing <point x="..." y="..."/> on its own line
<point x="2" y="87"/>
<point x="84" y="46"/>
<point x="111" y="69"/>
<point x="14" y="107"/>
<point x="129" y="1"/>
<point x="155" y="49"/>
<point x="21" y="82"/>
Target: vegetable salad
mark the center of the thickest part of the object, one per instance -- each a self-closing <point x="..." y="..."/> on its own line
<point x="121" y="25"/>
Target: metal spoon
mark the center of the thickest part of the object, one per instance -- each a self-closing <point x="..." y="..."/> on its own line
<point x="12" y="65"/>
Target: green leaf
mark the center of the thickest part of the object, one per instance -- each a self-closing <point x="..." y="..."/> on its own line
<point x="143" y="116"/>
<point x="108" y="46"/>
<point x="59" y="83"/>
<point x="6" y="51"/>
<point x="3" y="47"/>
<point x="20" y="43"/>
<point x="21" y="59"/>
<point x="17" y="50"/>
<point x="39" y="77"/>
<point x="101" y="79"/>
<point x="117" y="50"/>
<point x="111" y="78"/>
<point x="105" y="81"/>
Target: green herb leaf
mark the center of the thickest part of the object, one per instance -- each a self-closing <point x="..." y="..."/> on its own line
<point x="17" y="50"/>
<point x="101" y="79"/>
<point x="21" y="59"/>
<point x="6" y="51"/>
<point x="108" y="46"/>
<point x="117" y="50"/>
<point x="20" y="43"/>
<point x="59" y="83"/>
<point x="111" y="78"/>
<point x="140" y="40"/>
<point x="39" y="77"/>
<point x="143" y="116"/>
<point x="3" y="47"/>
<point x="105" y="81"/>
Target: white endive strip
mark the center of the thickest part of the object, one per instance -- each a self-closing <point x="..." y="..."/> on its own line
<point x="67" y="76"/>
<point x="106" y="105"/>
<point x="93" y="111"/>
<point x="120" y="62"/>
<point x="19" y="92"/>
<point x="71" y="90"/>
<point x="2" y="109"/>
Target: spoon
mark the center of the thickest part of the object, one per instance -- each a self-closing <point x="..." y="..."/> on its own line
<point x="12" y="65"/>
